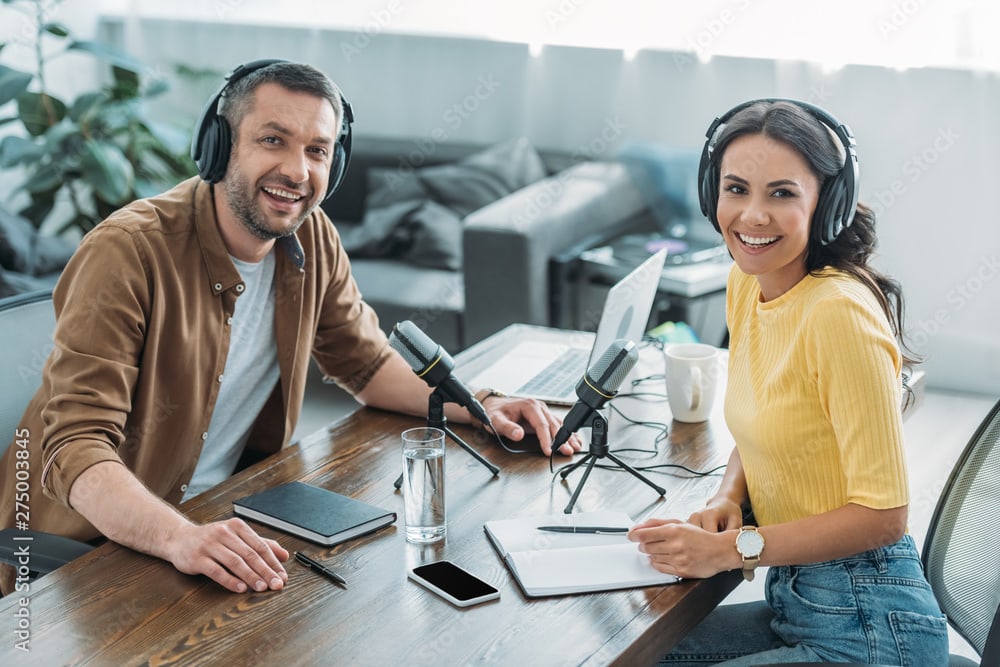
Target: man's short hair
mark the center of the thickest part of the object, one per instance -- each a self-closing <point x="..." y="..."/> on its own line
<point x="237" y="100"/>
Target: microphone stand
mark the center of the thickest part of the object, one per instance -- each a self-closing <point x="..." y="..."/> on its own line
<point x="599" y="450"/>
<point x="436" y="419"/>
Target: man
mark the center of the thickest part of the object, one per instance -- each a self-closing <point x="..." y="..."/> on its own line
<point x="185" y="324"/>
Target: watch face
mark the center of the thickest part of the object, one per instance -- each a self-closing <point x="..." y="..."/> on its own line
<point x="750" y="543"/>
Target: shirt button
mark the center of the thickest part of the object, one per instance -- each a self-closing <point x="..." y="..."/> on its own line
<point x="239" y="289"/>
<point x="204" y="436"/>
<point x="184" y="488"/>
<point x="220" y="378"/>
<point x="218" y="286"/>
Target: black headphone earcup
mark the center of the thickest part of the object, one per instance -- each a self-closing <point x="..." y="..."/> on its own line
<point x="338" y="167"/>
<point x="216" y="144"/>
<point x="828" y="220"/>
<point x="710" y="195"/>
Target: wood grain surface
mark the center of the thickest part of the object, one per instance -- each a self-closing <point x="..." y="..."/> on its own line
<point x="117" y="607"/>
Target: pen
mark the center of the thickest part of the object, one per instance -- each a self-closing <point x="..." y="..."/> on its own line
<point x="592" y="530"/>
<point x="319" y="567"/>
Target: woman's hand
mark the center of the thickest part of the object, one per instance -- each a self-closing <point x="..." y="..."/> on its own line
<point x="719" y="514"/>
<point x="687" y="550"/>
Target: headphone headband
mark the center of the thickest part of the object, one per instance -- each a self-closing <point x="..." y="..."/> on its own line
<point x="838" y="200"/>
<point x="211" y="142"/>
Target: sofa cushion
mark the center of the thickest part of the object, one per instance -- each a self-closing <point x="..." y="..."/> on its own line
<point x="415" y="216"/>
<point x="484" y="177"/>
<point x="432" y="299"/>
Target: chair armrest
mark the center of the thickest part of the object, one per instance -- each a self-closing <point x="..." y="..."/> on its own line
<point x="507" y="244"/>
<point x="39" y="552"/>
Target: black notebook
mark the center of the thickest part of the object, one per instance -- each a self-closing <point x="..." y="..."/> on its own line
<point x="313" y="513"/>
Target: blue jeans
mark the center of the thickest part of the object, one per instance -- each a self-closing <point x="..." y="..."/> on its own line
<point x="873" y="607"/>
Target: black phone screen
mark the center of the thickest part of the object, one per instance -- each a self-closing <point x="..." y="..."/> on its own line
<point x="453" y="579"/>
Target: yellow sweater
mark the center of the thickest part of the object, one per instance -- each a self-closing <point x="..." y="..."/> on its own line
<point x="813" y="397"/>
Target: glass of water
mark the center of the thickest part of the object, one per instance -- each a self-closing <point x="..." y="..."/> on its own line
<point x="423" y="484"/>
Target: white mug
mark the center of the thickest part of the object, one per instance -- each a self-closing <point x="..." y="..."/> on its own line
<point x="693" y="373"/>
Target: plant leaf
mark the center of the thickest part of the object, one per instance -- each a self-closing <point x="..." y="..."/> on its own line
<point x="87" y="105"/>
<point x="156" y="87"/>
<point x="40" y="207"/>
<point x="57" y="29"/>
<point x="39" y="112"/>
<point x="82" y="222"/>
<point x="108" y="53"/>
<point x="12" y="83"/>
<point x="107" y="170"/>
<point x="126" y="84"/>
<point x="47" y="176"/>
<point x="16" y="150"/>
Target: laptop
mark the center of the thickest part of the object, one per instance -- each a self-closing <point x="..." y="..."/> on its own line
<point x="550" y="371"/>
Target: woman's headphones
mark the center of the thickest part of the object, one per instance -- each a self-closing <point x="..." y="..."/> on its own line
<point x="838" y="197"/>
<point x="212" y="140"/>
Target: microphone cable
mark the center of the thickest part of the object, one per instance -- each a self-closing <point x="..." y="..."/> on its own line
<point x="489" y="428"/>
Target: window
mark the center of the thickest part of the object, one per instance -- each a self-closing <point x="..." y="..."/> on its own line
<point x="894" y="33"/>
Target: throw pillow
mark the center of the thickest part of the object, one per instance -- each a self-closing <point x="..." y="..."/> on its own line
<point x="435" y="236"/>
<point x="377" y="236"/>
<point x="484" y="177"/>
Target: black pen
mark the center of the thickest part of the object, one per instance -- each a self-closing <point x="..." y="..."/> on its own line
<point x="319" y="567"/>
<point x="591" y="530"/>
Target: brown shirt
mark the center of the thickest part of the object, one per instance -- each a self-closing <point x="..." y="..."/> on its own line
<point x="143" y="311"/>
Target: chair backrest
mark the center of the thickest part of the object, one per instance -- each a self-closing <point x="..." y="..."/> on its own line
<point x="962" y="551"/>
<point x="27" y="322"/>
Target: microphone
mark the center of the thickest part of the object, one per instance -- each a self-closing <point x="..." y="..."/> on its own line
<point x="599" y="385"/>
<point x="431" y="363"/>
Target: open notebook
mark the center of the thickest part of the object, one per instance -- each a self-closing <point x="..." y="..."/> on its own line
<point x="550" y="371"/>
<point x="545" y="563"/>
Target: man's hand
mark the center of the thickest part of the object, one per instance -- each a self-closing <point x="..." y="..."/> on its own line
<point x="512" y="417"/>
<point x="231" y="554"/>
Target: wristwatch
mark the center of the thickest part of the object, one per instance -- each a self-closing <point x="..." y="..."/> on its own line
<point x="486" y="392"/>
<point x="749" y="544"/>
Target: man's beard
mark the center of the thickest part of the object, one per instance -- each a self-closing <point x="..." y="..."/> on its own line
<point x="242" y="200"/>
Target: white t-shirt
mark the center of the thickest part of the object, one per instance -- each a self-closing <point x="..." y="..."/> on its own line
<point x="248" y="379"/>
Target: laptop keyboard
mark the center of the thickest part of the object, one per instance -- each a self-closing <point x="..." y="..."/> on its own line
<point x="560" y="377"/>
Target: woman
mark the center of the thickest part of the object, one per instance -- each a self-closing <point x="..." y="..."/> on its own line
<point x="813" y="405"/>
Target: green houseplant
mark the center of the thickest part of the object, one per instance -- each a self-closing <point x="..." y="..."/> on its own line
<point x="96" y="152"/>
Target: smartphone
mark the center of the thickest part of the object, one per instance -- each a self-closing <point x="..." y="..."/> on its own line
<point x="457" y="586"/>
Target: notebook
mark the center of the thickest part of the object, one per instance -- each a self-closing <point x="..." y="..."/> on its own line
<point x="545" y="563"/>
<point x="550" y="371"/>
<point x="313" y="513"/>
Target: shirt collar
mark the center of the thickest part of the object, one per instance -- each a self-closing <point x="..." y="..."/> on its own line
<point x="222" y="274"/>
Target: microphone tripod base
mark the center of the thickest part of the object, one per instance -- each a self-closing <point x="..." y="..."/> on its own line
<point x="599" y="450"/>
<point x="436" y="419"/>
<point x="464" y="445"/>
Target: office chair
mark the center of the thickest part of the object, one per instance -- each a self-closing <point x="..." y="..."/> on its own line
<point x="26" y="325"/>
<point x="961" y="553"/>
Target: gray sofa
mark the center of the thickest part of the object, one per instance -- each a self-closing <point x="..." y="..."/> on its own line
<point x="506" y="246"/>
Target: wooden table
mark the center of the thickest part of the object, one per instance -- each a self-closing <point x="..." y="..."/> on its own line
<point x="117" y="607"/>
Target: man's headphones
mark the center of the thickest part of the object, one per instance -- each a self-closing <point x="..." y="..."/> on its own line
<point x="211" y="144"/>
<point x="838" y="197"/>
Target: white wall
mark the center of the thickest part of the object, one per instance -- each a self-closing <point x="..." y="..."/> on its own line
<point x="927" y="138"/>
